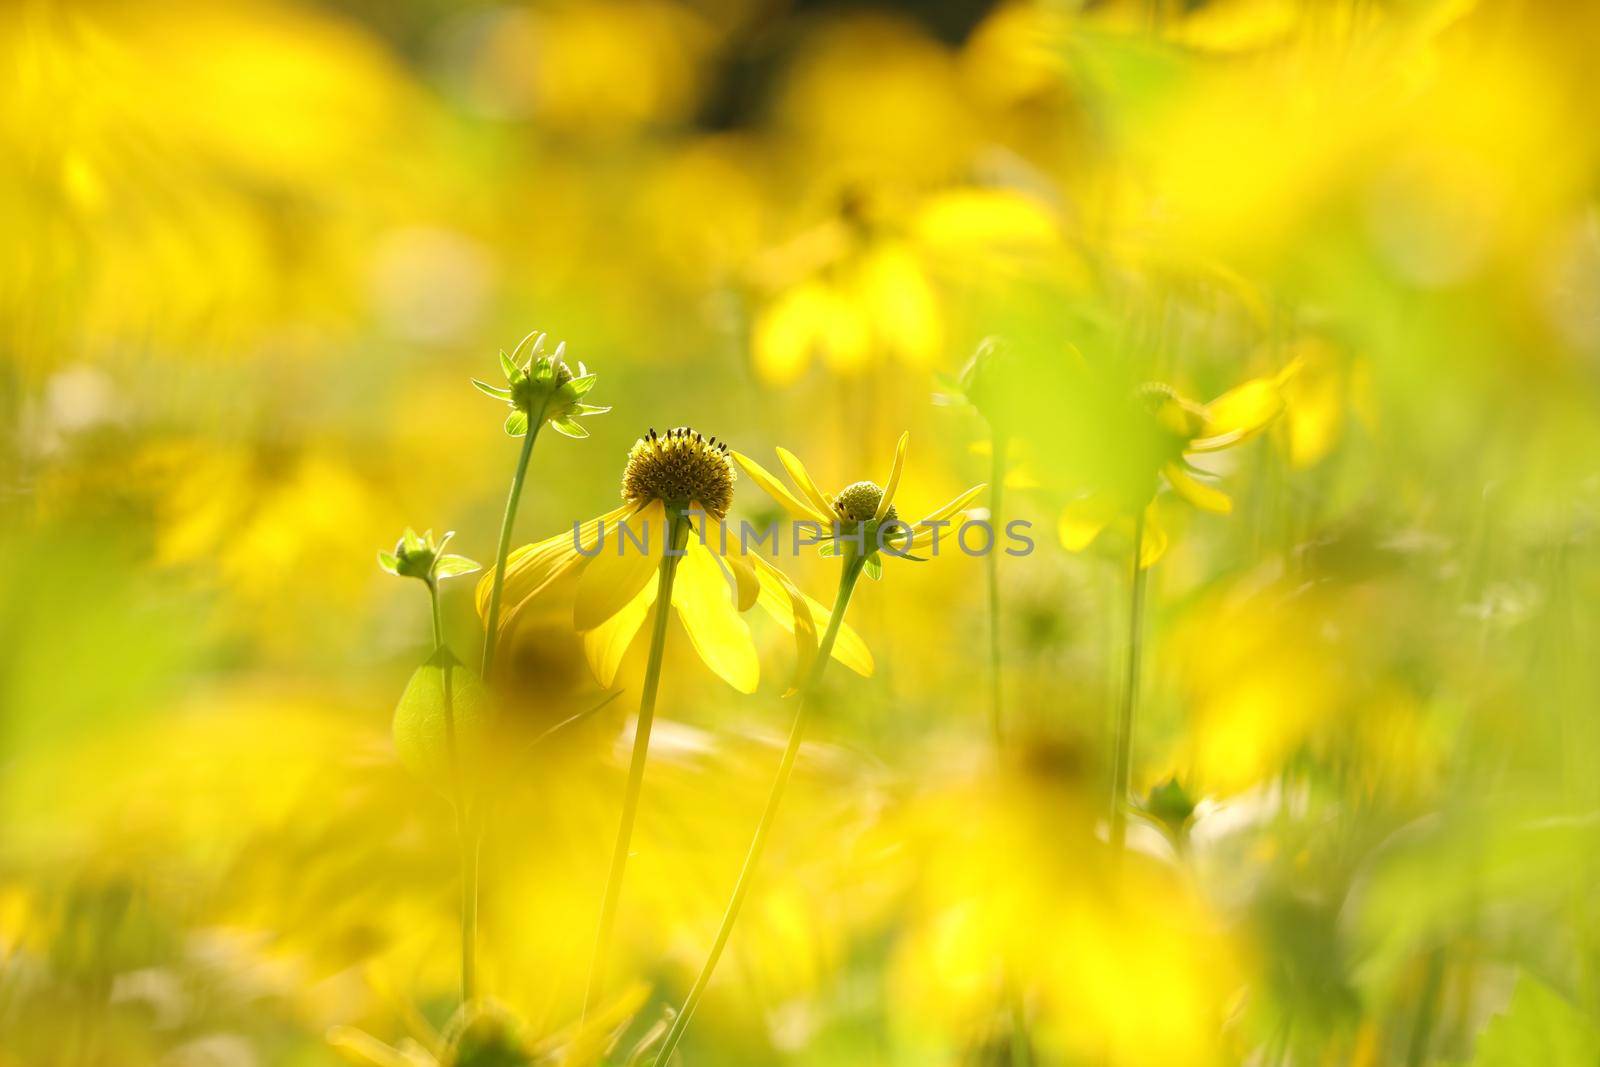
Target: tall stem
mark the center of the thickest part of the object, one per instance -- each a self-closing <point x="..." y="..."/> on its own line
<point x="677" y="537"/>
<point x="1130" y="695"/>
<point x="491" y="634"/>
<point x="997" y="478"/>
<point x="847" y="583"/>
<point x="464" y="838"/>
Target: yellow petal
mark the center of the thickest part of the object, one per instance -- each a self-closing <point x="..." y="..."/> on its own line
<point x="1196" y="492"/>
<point x="775" y="489"/>
<point x="621" y="567"/>
<point x="785" y="334"/>
<point x="705" y="605"/>
<point x="725" y="544"/>
<point x="1153" y="542"/>
<point x="1083" y="519"/>
<point x="606" y="644"/>
<point x="1242" y="412"/>
<point x="945" y="511"/>
<point x="901" y="305"/>
<point x="802" y="478"/>
<point x="533" y="569"/>
<point x="893" y="483"/>
<point x="805" y="618"/>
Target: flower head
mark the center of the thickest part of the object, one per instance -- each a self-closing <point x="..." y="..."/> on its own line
<point x="542" y="389"/>
<point x="862" y="515"/>
<point x="422" y="557"/>
<point x="607" y="567"/>
<point x="679" y="467"/>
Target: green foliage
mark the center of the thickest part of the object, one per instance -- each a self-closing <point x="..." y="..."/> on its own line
<point x="1538" y="1027"/>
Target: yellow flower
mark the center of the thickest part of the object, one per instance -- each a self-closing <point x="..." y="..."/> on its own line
<point x="606" y="567"/>
<point x="1169" y="430"/>
<point x="864" y="285"/>
<point x="860" y="514"/>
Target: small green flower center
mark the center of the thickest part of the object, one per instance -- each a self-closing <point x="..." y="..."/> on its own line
<point x="859" y="503"/>
<point x="677" y="467"/>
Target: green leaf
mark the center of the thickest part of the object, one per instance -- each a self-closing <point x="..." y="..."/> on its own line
<point x="1538" y="1027"/>
<point x="517" y="423"/>
<point x="423" y="730"/>
<point x="592" y="409"/>
<point x="412" y="542"/>
<point x="581" y="385"/>
<point x="568" y="426"/>
<point x="874" y="567"/>
<point x="509" y="368"/>
<point x="452" y="565"/>
<point x="491" y="390"/>
<point x="829" y="548"/>
<point x="389" y="562"/>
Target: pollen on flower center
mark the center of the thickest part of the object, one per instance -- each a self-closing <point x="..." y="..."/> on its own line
<point x="859" y="502"/>
<point x="677" y="467"/>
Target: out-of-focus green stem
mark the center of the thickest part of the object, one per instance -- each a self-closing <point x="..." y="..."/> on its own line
<point x="854" y="562"/>
<point x="677" y="538"/>
<point x="997" y="478"/>
<point x="464" y="834"/>
<point x="1122" y="766"/>
<point x="491" y="634"/>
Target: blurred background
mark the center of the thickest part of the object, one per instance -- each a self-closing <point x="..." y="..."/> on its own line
<point x="255" y="250"/>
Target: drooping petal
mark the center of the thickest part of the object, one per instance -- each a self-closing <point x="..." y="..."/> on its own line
<point x="893" y="483"/>
<point x="802" y="480"/>
<point x="1203" y="496"/>
<point x="531" y="568"/>
<point x="1083" y="519"/>
<point x="805" y="618"/>
<point x="624" y="564"/>
<point x="705" y="605"/>
<point x="775" y="489"/>
<point x="606" y="644"/>
<point x="945" y="511"/>
<point x="1240" y="413"/>
<point x="726" y="546"/>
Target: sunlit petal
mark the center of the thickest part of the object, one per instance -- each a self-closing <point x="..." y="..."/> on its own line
<point x="704" y="601"/>
<point x="626" y="559"/>
<point x="893" y="483"/>
<point x="1203" y="496"/>
<point x="775" y="489"/>
<point x="802" y="479"/>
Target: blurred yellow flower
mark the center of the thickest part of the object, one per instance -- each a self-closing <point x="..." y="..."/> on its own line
<point x="1169" y="430"/>
<point x="862" y="289"/>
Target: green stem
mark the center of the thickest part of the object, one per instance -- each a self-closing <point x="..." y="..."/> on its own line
<point x="997" y="478"/>
<point x="677" y="538"/>
<point x="1121" y="769"/>
<point x="491" y="634"/>
<point x="469" y="865"/>
<point x="847" y="582"/>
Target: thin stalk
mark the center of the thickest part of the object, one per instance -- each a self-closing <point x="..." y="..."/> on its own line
<point x="467" y="847"/>
<point x="491" y="635"/>
<point x="1121" y="769"/>
<point x="677" y="537"/>
<point x="847" y="583"/>
<point x="997" y="478"/>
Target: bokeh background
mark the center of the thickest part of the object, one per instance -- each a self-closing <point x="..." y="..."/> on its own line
<point x="253" y="252"/>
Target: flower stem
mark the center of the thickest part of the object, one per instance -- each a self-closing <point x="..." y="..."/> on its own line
<point x="1121" y="769"/>
<point x="847" y="582"/>
<point x="464" y="836"/>
<point x="491" y="635"/>
<point x="997" y="477"/>
<point x="677" y="537"/>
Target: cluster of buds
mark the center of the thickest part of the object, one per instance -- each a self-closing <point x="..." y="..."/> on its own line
<point x="541" y="388"/>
